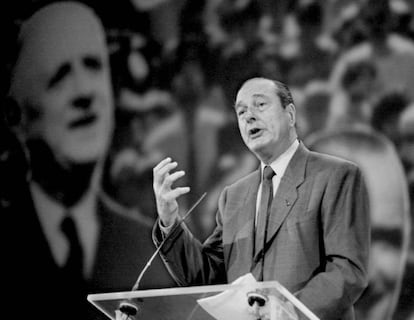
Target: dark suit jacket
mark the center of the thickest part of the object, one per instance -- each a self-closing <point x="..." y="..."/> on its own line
<point x="318" y="241"/>
<point x="36" y="287"/>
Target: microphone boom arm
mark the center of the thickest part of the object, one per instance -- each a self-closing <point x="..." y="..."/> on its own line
<point x="136" y="285"/>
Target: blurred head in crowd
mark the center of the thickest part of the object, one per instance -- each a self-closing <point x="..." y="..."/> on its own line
<point x="189" y="82"/>
<point x="378" y="19"/>
<point x="386" y="113"/>
<point x="406" y="137"/>
<point x="359" y="79"/>
<point x="403" y="14"/>
<point x="240" y="19"/>
<point x="315" y="108"/>
<point x="310" y="18"/>
<point x="61" y="81"/>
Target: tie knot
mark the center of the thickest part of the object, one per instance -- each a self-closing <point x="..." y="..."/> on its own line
<point x="268" y="173"/>
<point x="74" y="262"/>
<point x="68" y="226"/>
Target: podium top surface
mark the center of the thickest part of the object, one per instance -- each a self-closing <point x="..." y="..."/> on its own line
<point x="205" y="302"/>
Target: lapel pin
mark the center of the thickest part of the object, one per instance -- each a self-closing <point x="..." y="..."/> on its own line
<point x="287" y="202"/>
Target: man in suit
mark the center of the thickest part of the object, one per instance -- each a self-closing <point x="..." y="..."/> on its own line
<point x="316" y="240"/>
<point x="68" y="240"/>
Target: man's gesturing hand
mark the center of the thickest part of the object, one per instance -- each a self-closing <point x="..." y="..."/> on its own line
<point x="165" y="195"/>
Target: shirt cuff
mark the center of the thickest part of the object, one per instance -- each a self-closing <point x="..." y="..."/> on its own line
<point x="165" y="230"/>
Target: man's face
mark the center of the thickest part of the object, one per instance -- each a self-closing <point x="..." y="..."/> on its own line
<point x="265" y="126"/>
<point x="62" y="82"/>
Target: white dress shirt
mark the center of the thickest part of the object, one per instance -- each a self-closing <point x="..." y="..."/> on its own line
<point x="279" y="167"/>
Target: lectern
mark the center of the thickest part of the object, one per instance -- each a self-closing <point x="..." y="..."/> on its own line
<point x="260" y="300"/>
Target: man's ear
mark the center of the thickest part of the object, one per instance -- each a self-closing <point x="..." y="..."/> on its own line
<point x="291" y="110"/>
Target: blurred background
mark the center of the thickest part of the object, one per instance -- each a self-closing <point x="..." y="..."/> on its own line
<point x="176" y="66"/>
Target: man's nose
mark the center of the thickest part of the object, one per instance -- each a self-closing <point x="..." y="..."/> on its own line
<point x="250" y="116"/>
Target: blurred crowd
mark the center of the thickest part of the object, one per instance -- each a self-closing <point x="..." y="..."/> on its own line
<point x="176" y="66"/>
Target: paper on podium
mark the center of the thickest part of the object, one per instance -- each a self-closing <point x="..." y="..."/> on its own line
<point x="232" y="303"/>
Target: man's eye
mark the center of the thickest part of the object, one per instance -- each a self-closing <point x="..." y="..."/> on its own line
<point x="240" y="112"/>
<point x="260" y="105"/>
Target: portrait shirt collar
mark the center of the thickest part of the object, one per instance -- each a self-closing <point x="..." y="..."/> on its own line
<point x="51" y="213"/>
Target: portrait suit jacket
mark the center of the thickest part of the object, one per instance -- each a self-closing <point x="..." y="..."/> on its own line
<point x="37" y="287"/>
<point x="318" y="237"/>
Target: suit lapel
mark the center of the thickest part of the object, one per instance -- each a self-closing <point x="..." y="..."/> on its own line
<point x="250" y="207"/>
<point x="242" y="221"/>
<point x="287" y="194"/>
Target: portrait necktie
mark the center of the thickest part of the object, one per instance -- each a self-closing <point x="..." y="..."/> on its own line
<point x="263" y="214"/>
<point x="73" y="283"/>
<point x="74" y="263"/>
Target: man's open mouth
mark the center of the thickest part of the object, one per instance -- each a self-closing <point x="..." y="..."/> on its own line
<point x="255" y="132"/>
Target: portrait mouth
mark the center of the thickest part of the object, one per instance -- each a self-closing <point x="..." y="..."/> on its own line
<point x="83" y="121"/>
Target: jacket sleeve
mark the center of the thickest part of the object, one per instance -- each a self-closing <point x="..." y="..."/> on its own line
<point x="346" y="240"/>
<point x="189" y="261"/>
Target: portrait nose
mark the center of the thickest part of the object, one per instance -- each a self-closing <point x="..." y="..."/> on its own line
<point x="83" y="88"/>
<point x="82" y="102"/>
<point x="83" y="80"/>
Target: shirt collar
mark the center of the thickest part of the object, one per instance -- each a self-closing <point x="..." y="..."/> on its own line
<point x="51" y="212"/>
<point x="280" y="164"/>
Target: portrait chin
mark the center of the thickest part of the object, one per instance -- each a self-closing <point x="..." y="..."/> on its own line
<point x="89" y="151"/>
<point x="83" y="145"/>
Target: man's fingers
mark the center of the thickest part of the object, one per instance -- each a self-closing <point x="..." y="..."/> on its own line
<point x="162" y="170"/>
<point x="170" y="179"/>
<point x="162" y="163"/>
<point x="175" y="193"/>
<point x="166" y="168"/>
<point x="163" y="181"/>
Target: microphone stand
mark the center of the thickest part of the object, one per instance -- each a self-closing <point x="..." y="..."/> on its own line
<point x="131" y="309"/>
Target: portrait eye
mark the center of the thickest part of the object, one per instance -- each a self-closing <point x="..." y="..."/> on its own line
<point x="58" y="76"/>
<point x="93" y="63"/>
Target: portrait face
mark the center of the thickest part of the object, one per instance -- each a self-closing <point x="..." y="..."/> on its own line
<point x="266" y="127"/>
<point x="62" y="83"/>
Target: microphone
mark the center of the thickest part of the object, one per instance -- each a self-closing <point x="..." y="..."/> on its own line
<point x="131" y="309"/>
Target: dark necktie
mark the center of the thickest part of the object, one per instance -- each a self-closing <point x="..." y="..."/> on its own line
<point x="73" y="283"/>
<point x="74" y="262"/>
<point x="263" y="215"/>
